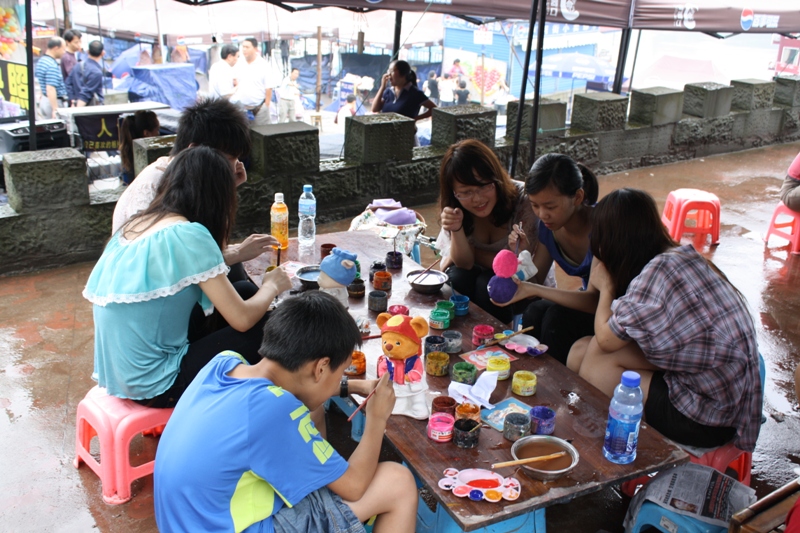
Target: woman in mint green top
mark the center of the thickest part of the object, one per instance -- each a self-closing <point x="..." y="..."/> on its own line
<point x="156" y="269"/>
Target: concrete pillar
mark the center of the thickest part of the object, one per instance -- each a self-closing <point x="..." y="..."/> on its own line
<point x="552" y="118"/>
<point x="656" y="106"/>
<point x="752" y="94"/>
<point x="707" y="99"/>
<point x="599" y="111"/>
<point x="455" y="123"/>
<point x="45" y="180"/>
<point x="284" y="148"/>
<point x="379" y="138"/>
<point x="787" y="91"/>
<point x="148" y="149"/>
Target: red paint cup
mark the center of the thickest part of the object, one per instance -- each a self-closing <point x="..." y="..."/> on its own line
<point x="398" y="310"/>
<point x="325" y="250"/>
<point x="481" y="334"/>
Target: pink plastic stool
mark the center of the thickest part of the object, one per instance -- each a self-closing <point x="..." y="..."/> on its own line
<point x="115" y="422"/>
<point x="722" y="458"/>
<point x="677" y="211"/>
<point x="794" y="227"/>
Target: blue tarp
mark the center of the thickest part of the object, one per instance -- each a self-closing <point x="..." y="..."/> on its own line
<point x="124" y="63"/>
<point x="172" y="84"/>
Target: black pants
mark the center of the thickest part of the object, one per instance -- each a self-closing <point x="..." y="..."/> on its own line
<point x="473" y="283"/>
<point x="557" y="326"/>
<point x="208" y="336"/>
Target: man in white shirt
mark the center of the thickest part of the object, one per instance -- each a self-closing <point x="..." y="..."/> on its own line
<point x="255" y="83"/>
<point x="221" y="76"/>
<point x="289" y="93"/>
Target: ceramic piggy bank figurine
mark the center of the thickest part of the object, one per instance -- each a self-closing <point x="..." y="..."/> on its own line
<point x="337" y="271"/>
<point x="506" y="266"/>
<point x="401" y="338"/>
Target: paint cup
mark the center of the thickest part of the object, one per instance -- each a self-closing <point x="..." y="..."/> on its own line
<point x="444" y="404"/>
<point x="468" y="410"/>
<point x="464" y="372"/>
<point x="394" y="260"/>
<point x="499" y="364"/>
<point x="377" y="266"/>
<point x="440" y="427"/>
<point x="466" y="433"/>
<point x="523" y="383"/>
<point x="398" y="310"/>
<point x="544" y="420"/>
<point x="447" y="305"/>
<point x="358" y="366"/>
<point x="437" y="364"/>
<point x="439" y="319"/>
<point x="461" y="304"/>
<point x="516" y="426"/>
<point x="434" y="343"/>
<point x="382" y="281"/>
<point x="452" y="341"/>
<point x="356" y="289"/>
<point x="325" y="250"/>
<point x="377" y="301"/>
<point x="481" y="334"/>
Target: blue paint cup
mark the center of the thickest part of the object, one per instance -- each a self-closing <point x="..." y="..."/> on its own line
<point x="461" y="304"/>
<point x="543" y="420"/>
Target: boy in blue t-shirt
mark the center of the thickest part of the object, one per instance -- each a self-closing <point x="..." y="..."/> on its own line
<point x="240" y="452"/>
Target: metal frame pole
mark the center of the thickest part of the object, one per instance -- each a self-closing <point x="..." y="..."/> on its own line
<point x="537" y="88"/>
<point x="622" y="59"/>
<point x="520" y="111"/>
<point x="31" y="88"/>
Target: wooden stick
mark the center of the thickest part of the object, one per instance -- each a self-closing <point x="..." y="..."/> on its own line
<point x="529" y="460"/>
<point x="495" y="341"/>
<point x="279" y="257"/>
<point x="362" y="404"/>
<point x="370" y="337"/>
<point x="424" y="272"/>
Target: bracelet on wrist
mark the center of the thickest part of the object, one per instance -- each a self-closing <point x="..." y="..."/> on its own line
<point x="459" y="228"/>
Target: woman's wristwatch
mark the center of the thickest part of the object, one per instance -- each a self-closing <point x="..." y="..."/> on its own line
<point x="344" y="389"/>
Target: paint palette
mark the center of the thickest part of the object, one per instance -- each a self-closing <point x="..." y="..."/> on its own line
<point x="524" y="344"/>
<point x="478" y="484"/>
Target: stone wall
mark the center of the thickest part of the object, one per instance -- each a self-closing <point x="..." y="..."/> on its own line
<point x="52" y="220"/>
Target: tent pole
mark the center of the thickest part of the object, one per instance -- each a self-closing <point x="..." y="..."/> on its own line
<point x="398" y="25"/>
<point x="512" y="169"/>
<point x="623" y="57"/>
<point x="29" y="57"/>
<point x="537" y="88"/>
<point x="319" y="69"/>
<point x="67" y="4"/>
<point x="158" y="28"/>
<point x="635" y="57"/>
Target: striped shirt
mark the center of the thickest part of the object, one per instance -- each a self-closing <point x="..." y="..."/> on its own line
<point x="48" y="72"/>
<point x="691" y="323"/>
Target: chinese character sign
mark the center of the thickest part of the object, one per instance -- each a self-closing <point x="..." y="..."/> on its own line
<point x="99" y="132"/>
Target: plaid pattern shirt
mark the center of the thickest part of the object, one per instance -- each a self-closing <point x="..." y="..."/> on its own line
<point x="691" y="323"/>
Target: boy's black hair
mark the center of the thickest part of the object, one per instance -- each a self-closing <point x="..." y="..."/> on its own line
<point x="70" y="35"/>
<point x="462" y="84"/>
<point x="227" y="50"/>
<point x="216" y="123"/>
<point x="307" y="328"/>
<point x="253" y="41"/>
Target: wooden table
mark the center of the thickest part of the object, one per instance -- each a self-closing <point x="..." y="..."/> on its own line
<point x="582" y="411"/>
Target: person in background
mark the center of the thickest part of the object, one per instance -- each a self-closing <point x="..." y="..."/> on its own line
<point x="399" y="93"/>
<point x="462" y="93"/>
<point x="447" y="90"/>
<point x="480" y="205"/>
<point x="221" y="76"/>
<point x="456" y="70"/>
<point x="85" y="83"/>
<point x="501" y="97"/>
<point x="256" y="81"/>
<point x="669" y="314"/>
<point x="289" y="93"/>
<point x="349" y="109"/>
<point x="431" y="87"/>
<point x="137" y="125"/>
<point x="51" y="82"/>
<point x="790" y="192"/>
<point x="285" y="54"/>
<point x="72" y="38"/>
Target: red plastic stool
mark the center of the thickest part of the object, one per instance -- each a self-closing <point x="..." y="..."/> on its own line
<point x="794" y="227"/>
<point x="720" y="459"/>
<point x="678" y="209"/>
<point x="115" y="422"/>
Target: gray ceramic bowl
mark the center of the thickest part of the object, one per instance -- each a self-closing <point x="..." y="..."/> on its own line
<point x="430" y="283"/>
<point x="546" y="475"/>
<point x="308" y="276"/>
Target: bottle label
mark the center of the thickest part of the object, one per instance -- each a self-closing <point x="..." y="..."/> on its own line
<point x="621" y="436"/>
<point x="279" y="229"/>
<point x="307" y="208"/>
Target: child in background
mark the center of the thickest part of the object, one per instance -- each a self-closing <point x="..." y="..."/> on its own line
<point x="790" y="192"/>
<point x="240" y="450"/>
<point x="462" y="93"/>
<point x="136" y="126"/>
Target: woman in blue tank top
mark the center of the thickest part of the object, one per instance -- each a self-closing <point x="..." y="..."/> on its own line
<point x="562" y="193"/>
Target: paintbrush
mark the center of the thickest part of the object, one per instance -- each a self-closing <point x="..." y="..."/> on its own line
<point x="495" y="341"/>
<point x="516" y="250"/>
<point x="350" y="418"/>
<point x="279" y="257"/>
<point x="425" y="272"/>
<point x="529" y="460"/>
<point x="370" y="337"/>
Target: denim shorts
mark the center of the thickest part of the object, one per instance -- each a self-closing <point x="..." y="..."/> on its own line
<point x="322" y="511"/>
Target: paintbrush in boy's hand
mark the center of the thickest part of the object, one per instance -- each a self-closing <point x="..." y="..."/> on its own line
<point x="350" y="418"/>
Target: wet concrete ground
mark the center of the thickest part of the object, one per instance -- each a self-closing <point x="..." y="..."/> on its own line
<point x="46" y="336"/>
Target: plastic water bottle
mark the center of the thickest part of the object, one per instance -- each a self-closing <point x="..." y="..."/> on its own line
<point x="279" y="221"/>
<point x="307" y="229"/>
<point x="624" y="416"/>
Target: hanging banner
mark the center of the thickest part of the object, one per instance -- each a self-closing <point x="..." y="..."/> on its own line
<point x="734" y="16"/>
<point x="14" y="84"/>
<point x="99" y="132"/>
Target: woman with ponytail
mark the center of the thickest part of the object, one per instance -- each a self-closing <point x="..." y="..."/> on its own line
<point x="134" y="126"/>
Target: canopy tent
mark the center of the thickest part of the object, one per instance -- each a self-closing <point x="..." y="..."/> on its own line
<point x="577" y="66"/>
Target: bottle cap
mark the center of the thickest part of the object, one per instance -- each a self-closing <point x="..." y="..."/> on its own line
<point x="306" y="188"/>
<point x="631" y="378"/>
<point x="279" y="197"/>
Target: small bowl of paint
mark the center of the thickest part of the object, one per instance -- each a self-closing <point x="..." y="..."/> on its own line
<point x="523" y="383"/>
<point x="539" y="445"/>
<point x="357" y="288"/>
<point x="544" y="420"/>
<point x="537" y="350"/>
<point x="444" y="404"/>
<point x="464" y="372"/>
<point x="437" y="364"/>
<point x="377" y="301"/>
<point x="440" y="427"/>
<point x="358" y="365"/>
<point x="398" y="310"/>
<point x="439" y="319"/>
<point x="466" y="433"/>
<point x="479" y="484"/>
<point x="519" y="348"/>
<point x="447" y="305"/>
<point x="461" y="304"/>
<point x="468" y="410"/>
<point x="499" y="364"/>
<point x="481" y="334"/>
<point x="516" y="426"/>
<point x="394" y="260"/>
<point x="434" y="343"/>
<point x="382" y="281"/>
<point x="452" y="340"/>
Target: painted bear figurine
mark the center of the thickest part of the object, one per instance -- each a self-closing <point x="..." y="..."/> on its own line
<point x="401" y="337"/>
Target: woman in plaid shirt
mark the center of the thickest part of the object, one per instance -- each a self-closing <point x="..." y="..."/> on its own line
<point x="672" y="316"/>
